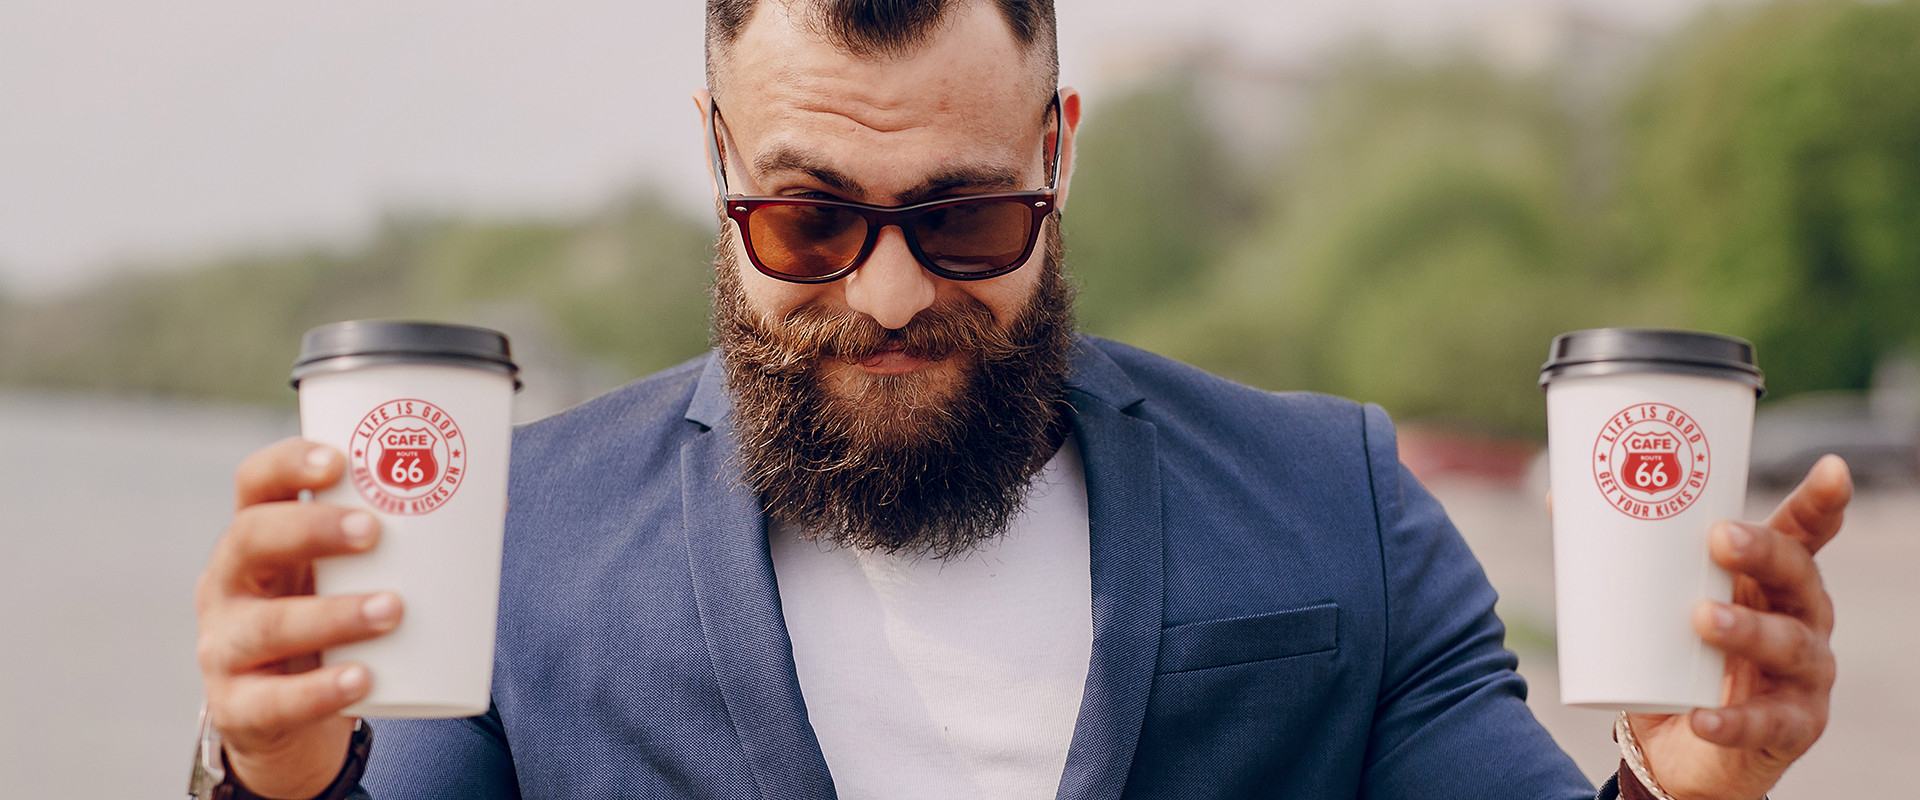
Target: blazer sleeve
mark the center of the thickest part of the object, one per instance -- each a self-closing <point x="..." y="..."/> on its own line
<point x="1451" y="718"/>
<point x="440" y="759"/>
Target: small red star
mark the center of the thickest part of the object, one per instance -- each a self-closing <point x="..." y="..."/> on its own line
<point x="357" y="454"/>
<point x="1603" y="458"/>
<point x="456" y="454"/>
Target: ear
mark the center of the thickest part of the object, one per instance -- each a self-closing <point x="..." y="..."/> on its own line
<point x="702" y="101"/>
<point x="1070" y="117"/>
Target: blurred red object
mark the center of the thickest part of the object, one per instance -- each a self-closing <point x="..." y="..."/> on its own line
<point x="1432" y="453"/>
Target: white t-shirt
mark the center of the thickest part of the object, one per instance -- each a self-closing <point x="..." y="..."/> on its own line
<point x="955" y="678"/>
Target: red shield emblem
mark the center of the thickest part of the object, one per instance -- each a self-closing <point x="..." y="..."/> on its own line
<point x="407" y="461"/>
<point x="1651" y="472"/>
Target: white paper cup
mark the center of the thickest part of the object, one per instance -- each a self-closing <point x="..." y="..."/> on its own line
<point x="1648" y="435"/>
<point x="423" y="414"/>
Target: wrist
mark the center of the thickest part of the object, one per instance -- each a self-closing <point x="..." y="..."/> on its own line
<point x="288" y="773"/>
<point x="1635" y="779"/>
<point x="215" y="776"/>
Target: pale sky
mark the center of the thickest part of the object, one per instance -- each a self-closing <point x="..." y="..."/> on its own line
<point x="135" y="131"/>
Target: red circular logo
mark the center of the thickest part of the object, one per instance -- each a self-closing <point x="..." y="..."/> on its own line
<point x="1651" y="461"/>
<point x="408" y="457"/>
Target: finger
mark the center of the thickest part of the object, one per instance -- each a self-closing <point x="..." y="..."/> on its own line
<point x="275" y="536"/>
<point x="1780" y="646"/>
<point x="261" y="632"/>
<point x="281" y="470"/>
<point x="262" y="705"/>
<point x="1771" y="723"/>
<point x="1813" y="512"/>
<point x="1783" y="570"/>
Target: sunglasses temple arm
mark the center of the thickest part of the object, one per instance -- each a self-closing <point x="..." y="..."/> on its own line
<point x="1059" y="132"/>
<point x="713" y="147"/>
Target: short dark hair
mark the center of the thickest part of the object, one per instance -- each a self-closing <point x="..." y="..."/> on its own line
<point x="880" y="28"/>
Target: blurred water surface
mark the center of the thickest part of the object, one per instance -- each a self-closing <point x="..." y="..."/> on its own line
<point x="111" y="507"/>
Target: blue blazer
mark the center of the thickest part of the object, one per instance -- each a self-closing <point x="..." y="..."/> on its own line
<point x="1279" y="610"/>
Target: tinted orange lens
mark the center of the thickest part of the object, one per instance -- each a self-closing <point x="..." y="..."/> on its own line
<point x="806" y="241"/>
<point x="975" y="237"/>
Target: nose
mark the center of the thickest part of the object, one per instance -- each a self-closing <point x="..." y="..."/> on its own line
<point x="891" y="286"/>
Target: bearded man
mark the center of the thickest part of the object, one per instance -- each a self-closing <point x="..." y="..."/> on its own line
<point x="905" y="535"/>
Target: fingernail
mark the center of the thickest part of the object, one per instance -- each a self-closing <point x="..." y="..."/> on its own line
<point x="352" y="680"/>
<point x="358" y="527"/>
<point x="1707" y="721"/>
<point x="1739" y="538"/>
<point x="381" y="611"/>
<point x="1722" y="618"/>
<point x="319" y="459"/>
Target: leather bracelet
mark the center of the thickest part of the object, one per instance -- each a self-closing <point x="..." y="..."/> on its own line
<point x="1629" y="785"/>
<point x="1635" y="763"/>
<point x="1635" y="779"/>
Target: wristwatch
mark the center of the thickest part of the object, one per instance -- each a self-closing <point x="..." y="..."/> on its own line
<point x="212" y="781"/>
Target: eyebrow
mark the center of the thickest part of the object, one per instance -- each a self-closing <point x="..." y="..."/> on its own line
<point x="990" y="178"/>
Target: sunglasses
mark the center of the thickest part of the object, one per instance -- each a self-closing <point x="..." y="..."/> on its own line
<point x="964" y="238"/>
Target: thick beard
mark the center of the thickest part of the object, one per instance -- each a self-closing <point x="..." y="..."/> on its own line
<point x="897" y="467"/>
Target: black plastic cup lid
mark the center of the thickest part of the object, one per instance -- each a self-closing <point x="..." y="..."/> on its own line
<point x="1620" y="351"/>
<point x="371" y="342"/>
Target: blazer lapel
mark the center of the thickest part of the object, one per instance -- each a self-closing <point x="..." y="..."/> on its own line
<point x="739" y="604"/>
<point x="1123" y="506"/>
<point x="746" y="637"/>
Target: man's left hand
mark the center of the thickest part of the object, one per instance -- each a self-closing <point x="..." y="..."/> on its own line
<point x="1779" y="667"/>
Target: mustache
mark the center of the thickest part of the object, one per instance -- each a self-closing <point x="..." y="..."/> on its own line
<point x="895" y="469"/>
<point x="811" y="333"/>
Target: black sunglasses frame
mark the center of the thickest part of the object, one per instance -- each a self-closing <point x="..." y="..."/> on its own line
<point x="740" y="208"/>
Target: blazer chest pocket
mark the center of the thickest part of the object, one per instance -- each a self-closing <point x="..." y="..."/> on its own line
<point x="1244" y="640"/>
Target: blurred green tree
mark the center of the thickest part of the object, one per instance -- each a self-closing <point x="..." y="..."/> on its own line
<point x="625" y="286"/>
<point x="1421" y="253"/>
<point x="1774" y="183"/>
<point x="1153" y="205"/>
<point x="635" y="286"/>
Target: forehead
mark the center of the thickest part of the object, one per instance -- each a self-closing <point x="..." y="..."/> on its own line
<point x="965" y="95"/>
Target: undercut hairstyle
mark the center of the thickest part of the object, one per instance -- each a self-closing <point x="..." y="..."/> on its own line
<point x="877" y="29"/>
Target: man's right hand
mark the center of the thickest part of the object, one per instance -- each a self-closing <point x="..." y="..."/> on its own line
<point x="262" y="628"/>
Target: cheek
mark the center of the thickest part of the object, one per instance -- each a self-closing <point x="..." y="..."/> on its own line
<point x="1007" y="295"/>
